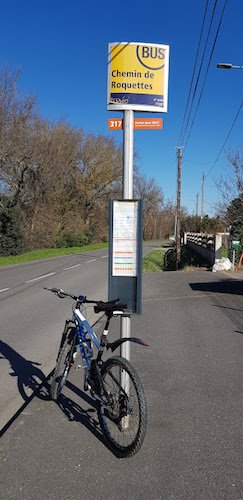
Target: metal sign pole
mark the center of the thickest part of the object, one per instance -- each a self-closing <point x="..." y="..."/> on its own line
<point x="128" y="140"/>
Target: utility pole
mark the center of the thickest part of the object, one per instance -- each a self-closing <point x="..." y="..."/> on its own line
<point x="197" y="195"/>
<point x="202" y="207"/>
<point x="178" y="210"/>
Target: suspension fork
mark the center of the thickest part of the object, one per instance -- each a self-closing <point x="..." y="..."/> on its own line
<point x="67" y="326"/>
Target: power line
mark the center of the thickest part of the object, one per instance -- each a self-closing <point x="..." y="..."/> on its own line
<point x="193" y="73"/>
<point x="205" y="77"/>
<point x="200" y="68"/>
<point x="230" y="130"/>
<point x="199" y="163"/>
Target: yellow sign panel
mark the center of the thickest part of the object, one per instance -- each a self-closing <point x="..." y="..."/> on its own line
<point x="138" y="77"/>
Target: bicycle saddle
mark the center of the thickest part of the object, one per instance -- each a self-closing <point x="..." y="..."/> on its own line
<point x="109" y="306"/>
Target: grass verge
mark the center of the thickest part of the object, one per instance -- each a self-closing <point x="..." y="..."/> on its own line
<point x="154" y="261"/>
<point x="48" y="253"/>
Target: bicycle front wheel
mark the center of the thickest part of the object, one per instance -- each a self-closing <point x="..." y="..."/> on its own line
<point x="64" y="363"/>
<point x="123" y="418"/>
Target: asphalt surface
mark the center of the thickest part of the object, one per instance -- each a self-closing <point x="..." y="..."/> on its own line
<point x="192" y="375"/>
<point x="31" y="318"/>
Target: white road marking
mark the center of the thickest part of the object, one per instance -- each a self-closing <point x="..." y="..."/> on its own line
<point x="71" y="267"/>
<point x="51" y="274"/>
<point x="40" y="277"/>
<point x="93" y="260"/>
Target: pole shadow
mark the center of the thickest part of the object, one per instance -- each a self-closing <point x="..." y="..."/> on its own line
<point x="230" y="308"/>
<point x="30" y="378"/>
<point x="232" y="287"/>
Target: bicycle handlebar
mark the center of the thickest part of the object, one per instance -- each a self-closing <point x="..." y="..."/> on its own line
<point x="100" y="305"/>
<point x="61" y="293"/>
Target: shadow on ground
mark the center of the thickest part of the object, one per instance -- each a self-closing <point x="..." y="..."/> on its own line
<point x="225" y="286"/>
<point x="29" y="377"/>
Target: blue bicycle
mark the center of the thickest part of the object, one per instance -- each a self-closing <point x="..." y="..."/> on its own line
<point x="114" y="383"/>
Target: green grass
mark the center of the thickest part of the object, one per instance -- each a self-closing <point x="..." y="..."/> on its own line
<point x="154" y="261"/>
<point x="48" y="253"/>
<point x="223" y="252"/>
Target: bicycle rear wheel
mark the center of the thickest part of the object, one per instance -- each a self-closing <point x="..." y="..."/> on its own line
<point x="64" y="363"/>
<point x="124" y="418"/>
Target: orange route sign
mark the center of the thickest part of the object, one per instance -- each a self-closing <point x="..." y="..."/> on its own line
<point x="138" y="123"/>
<point x="115" y="123"/>
<point x="147" y="123"/>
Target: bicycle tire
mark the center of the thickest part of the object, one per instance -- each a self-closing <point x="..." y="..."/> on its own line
<point x="124" y="421"/>
<point x="63" y="366"/>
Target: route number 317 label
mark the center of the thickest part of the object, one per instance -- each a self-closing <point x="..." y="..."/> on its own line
<point x="115" y="124"/>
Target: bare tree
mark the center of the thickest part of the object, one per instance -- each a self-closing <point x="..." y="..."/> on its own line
<point x="230" y="183"/>
<point x="100" y="175"/>
<point x="148" y="190"/>
<point x="51" y="202"/>
<point x="16" y="117"/>
<point x="60" y="179"/>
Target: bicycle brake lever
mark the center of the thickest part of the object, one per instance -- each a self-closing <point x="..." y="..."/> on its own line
<point x="57" y="291"/>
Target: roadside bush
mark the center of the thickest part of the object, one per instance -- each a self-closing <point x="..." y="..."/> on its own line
<point x="73" y="240"/>
<point x="170" y="260"/>
<point x="223" y="252"/>
<point x="11" y="238"/>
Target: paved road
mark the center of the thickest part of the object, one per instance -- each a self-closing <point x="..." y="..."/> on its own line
<point x="32" y="319"/>
<point x="192" y="374"/>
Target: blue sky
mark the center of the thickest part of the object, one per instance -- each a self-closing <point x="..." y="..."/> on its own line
<point x="62" y="46"/>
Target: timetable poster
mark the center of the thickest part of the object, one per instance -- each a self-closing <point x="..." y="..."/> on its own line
<point x="124" y="258"/>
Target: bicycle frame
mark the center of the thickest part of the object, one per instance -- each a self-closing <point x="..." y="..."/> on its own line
<point x="82" y="323"/>
<point x="82" y="329"/>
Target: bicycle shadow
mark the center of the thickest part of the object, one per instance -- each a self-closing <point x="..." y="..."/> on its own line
<point x="30" y="379"/>
<point x="76" y="413"/>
